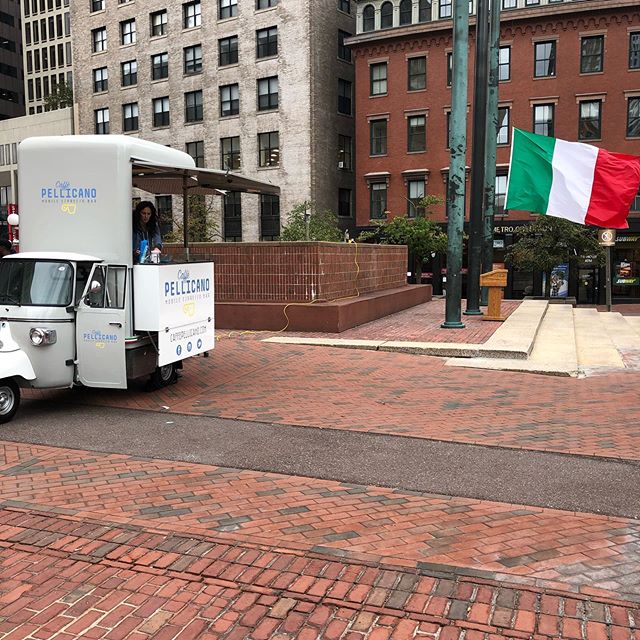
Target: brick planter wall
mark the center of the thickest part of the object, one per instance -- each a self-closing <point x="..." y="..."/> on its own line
<point x="299" y="271"/>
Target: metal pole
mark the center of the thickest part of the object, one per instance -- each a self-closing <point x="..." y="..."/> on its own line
<point x="492" y="135"/>
<point x="185" y="217"/>
<point x="608" y="277"/>
<point x="478" y="159"/>
<point x="457" y="164"/>
<point x="307" y="220"/>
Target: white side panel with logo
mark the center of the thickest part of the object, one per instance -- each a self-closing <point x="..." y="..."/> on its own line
<point x="177" y="301"/>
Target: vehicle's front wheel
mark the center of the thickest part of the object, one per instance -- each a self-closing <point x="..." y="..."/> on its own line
<point x="164" y="376"/>
<point x="9" y="399"/>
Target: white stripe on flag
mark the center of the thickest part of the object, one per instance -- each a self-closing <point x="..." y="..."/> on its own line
<point x="574" y="164"/>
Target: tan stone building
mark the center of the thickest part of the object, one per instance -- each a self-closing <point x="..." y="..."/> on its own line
<point x="46" y="49"/>
<point x="262" y="87"/>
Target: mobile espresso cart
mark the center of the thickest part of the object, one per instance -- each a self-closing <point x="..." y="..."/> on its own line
<point x="74" y="308"/>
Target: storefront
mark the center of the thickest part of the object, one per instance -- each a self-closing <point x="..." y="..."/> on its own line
<point x="625" y="265"/>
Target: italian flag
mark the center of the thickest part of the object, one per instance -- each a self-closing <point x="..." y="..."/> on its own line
<point x="571" y="180"/>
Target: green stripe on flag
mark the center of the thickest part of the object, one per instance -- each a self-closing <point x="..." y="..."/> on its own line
<point x="530" y="172"/>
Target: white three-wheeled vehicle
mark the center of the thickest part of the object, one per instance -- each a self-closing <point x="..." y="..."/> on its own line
<point x="74" y="308"/>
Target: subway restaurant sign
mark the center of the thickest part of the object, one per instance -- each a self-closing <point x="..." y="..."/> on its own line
<point x="626" y="281"/>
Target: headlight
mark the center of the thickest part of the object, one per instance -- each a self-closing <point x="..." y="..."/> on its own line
<point x="42" y="336"/>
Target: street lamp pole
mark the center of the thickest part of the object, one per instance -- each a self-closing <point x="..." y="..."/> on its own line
<point x="476" y="212"/>
<point x="457" y="164"/>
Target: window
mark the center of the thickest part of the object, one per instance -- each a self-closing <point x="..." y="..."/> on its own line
<point x="230" y="153"/>
<point x="368" y="18"/>
<point x="128" y="32"/>
<point x="191" y="14"/>
<point x="635" y="205"/>
<point x="509" y="4"/>
<point x="634" y="50"/>
<point x="268" y="93"/>
<point x="269" y="149"/>
<point x="449" y="69"/>
<point x="100" y="80"/>
<point x="344" y="203"/>
<point x="267" y="42"/>
<point x="344" y="5"/>
<point x="196" y="151"/>
<point x="378" y="200"/>
<point x="378" y="137"/>
<point x="543" y="119"/>
<point x="415" y="193"/>
<point x="416" y="133"/>
<point x="591" y="54"/>
<point x="160" y="66"/>
<point x="193" y="106"/>
<point x="504" y="64"/>
<point x="344" y="153"/>
<point x="229" y="100"/>
<point x="406" y="12"/>
<point x="101" y="120"/>
<point x="424" y="10"/>
<point x="386" y="15"/>
<point x="445" y="8"/>
<point x="500" y="195"/>
<point x="378" y="79"/>
<point x="130" y="116"/>
<point x="161" y="112"/>
<point x="193" y="59"/>
<point x="530" y="3"/>
<point x="228" y="51"/>
<point x="129" y="73"/>
<point x="96" y="5"/>
<point x="227" y="9"/>
<point x="344" y="97"/>
<point x="165" y="214"/>
<point x="417" y="71"/>
<point x="544" y="59"/>
<point x="159" y="23"/>
<point x="503" y="125"/>
<point x="344" y="53"/>
<point x="633" y="117"/>
<point x="265" y="4"/>
<point x="232" y="211"/>
<point x="590" y="120"/>
<point x="269" y="217"/>
<point x="99" y="39"/>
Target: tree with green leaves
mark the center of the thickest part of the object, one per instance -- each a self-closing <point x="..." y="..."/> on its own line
<point x="60" y="97"/>
<point x="421" y="235"/>
<point x="549" y="242"/>
<point x="323" y="225"/>
<point x="201" y="226"/>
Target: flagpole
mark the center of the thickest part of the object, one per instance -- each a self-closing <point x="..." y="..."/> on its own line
<point x="476" y="210"/>
<point x="608" y="277"/>
<point x="457" y="165"/>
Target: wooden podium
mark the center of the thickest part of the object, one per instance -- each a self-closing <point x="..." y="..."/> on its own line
<point x="495" y="281"/>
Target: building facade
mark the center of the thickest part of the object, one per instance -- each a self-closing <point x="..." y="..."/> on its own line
<point x="12" y="133"/>
<point x="261" y="87"/>
<point x="11" y="76"/>
<point x="568" y="69"/>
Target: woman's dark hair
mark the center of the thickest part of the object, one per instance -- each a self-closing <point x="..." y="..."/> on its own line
<point x="153" y="220"/>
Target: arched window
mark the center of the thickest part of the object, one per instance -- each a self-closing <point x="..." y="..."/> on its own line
<point x="424" y="11"/>
<point x="386" y="15"/>
<point x="406" y="8"/>
<point x="368" y="18"/>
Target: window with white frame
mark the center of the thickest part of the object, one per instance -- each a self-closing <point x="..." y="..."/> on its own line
<point x="590" y="120"/>
<point x="543" y="119"/>
<point x="424" y="10"/>
<point x="368" y="18"/>
<point x="386" y="15"/>
<point x="415" y="193"/>
<point x="378" y="79"/>
<point x="406" y="12"/>
<point x="503" y="125"/>
<point x="504" y="64"/>
<point x="444" y="8"/>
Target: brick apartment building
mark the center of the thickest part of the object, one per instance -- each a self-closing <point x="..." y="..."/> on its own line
<point x="261" y="87"/>
<point x="568" y="68"/>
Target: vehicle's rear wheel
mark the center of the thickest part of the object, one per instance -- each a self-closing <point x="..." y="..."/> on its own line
<point x="9" y="399"/>
<point x="164" y="376"/>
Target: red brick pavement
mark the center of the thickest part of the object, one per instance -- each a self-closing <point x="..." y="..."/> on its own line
<point x="586" y="553"/>
<point x="398" y="394"/>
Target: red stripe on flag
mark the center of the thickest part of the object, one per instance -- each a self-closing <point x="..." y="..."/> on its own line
<point x="615" y="184"/>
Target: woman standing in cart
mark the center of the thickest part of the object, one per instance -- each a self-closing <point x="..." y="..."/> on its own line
<point x="146" y="231"/>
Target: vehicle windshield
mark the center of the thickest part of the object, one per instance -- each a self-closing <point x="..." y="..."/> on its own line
<point x="42" y="283"/>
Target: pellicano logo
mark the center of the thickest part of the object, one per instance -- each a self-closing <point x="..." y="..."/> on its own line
<point x="67" y="195"/>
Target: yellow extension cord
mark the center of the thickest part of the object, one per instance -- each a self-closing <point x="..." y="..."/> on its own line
<point x="300" y="304"/>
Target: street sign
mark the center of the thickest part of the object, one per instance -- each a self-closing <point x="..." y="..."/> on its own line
<point x="606" y="237"/>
